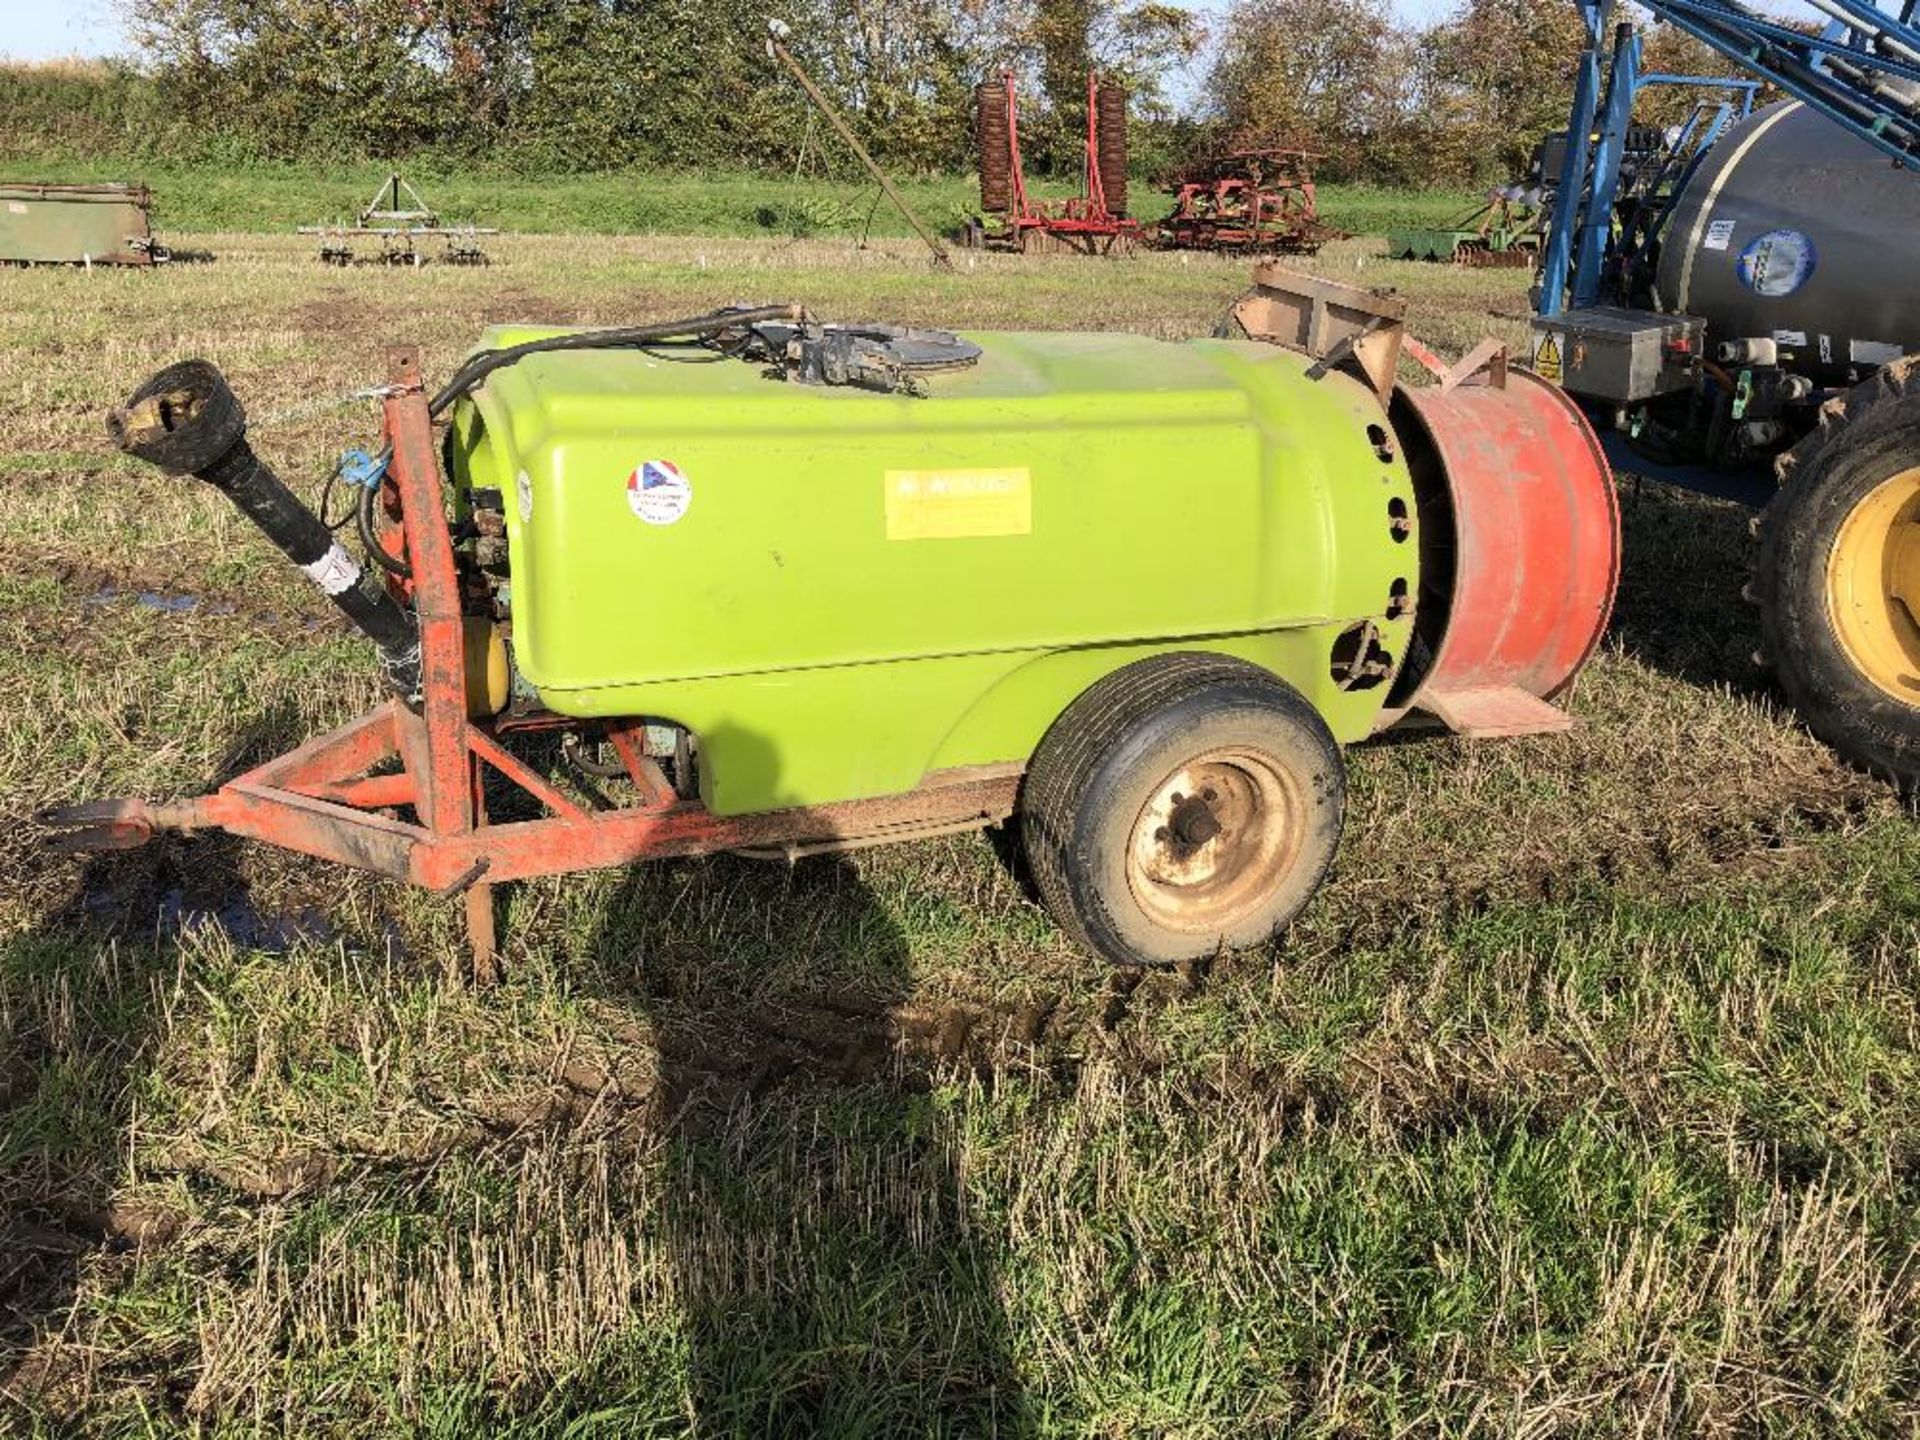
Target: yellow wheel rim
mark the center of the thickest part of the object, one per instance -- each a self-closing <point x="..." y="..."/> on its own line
<point x="1873" y="586"/>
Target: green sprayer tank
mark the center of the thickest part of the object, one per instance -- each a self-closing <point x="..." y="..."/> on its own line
<point x="820" y="586"/>
<point x="773" y="565"/>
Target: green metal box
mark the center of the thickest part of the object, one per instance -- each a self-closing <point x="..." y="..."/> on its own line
<point x="838" y="591"/>
<point x="76" y="224"/>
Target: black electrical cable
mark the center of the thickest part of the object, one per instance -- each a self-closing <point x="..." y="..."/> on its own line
<point x="363" y="515"/>
<point x="326" y="502"/>
<point x="478" y="367"/>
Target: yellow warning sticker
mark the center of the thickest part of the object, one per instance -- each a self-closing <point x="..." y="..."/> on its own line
<point x="1546" y="360"/>
<point x="958" y="504"/>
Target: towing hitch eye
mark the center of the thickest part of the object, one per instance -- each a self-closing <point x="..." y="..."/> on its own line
<point x="99" y="825"/>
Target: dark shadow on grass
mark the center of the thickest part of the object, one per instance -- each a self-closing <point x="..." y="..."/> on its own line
<point x="1685" y="560"/>
<point x="832" y="1277"/>
<point x="79" y="1016"/>
<point x="81" y="987"/>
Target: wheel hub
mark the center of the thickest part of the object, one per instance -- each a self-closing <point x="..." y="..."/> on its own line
<point x="1213" y="839"/>
<point x="1193" y="823"/>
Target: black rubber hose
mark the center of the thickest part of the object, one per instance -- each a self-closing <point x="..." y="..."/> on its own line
<point x="478" y="367"/>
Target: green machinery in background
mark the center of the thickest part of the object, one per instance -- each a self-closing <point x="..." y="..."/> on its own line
<point x="1504" y="233"/>
<point x="399" y="222"/>
<point x="96" y="224"/>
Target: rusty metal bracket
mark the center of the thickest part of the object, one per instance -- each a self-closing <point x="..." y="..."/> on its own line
<point x="1489" y="355"/>
<point x="1326" y="320"/>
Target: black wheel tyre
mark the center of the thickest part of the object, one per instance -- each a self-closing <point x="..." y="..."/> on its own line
<point x="1861" y="718"/>
<point x="1182" y="805"/>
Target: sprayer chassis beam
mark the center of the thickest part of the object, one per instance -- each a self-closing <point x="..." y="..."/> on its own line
<point x="318" y="800"/>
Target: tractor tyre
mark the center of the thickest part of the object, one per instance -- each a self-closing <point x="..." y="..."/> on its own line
<point x="1838" y="579"/>
<point x="1182" y="805"/>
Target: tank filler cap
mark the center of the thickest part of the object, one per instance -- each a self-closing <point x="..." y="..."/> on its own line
<point x="889" y="358"/>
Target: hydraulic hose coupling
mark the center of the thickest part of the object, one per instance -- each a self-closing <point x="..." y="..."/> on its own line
<point x="187" y="421"/>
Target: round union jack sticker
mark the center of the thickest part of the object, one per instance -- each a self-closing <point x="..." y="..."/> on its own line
<point x="658" y="492"/>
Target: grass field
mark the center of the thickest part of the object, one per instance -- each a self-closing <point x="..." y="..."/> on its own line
<point x="1582" y="1101"/>
<point x="264" y="197"/>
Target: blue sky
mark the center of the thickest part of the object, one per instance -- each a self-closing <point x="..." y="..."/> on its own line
<point x="38" y="29"/>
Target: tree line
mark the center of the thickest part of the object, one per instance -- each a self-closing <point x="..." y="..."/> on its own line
<point x="584" y="85"/>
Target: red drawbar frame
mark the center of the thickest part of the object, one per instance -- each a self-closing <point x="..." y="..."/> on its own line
<point x="324" y="799"/>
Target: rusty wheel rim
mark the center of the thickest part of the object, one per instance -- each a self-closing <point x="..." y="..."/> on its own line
<point x="1212" y="840"/>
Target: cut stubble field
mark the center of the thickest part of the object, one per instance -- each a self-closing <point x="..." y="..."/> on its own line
<point x="1581" y="1101"/>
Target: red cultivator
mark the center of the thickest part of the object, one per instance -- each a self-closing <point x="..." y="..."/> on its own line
<point x="1094" y="222"/>
<point x="1250" y="200"/>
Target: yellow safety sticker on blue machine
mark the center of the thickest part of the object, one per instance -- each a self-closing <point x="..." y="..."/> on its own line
<point x="959" y="504"/>
<point x="1546" y="359"/>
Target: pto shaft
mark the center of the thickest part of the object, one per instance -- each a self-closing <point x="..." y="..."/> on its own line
<point x="188" y="422"/>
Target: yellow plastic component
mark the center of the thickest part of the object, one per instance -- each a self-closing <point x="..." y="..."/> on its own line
<point x="1873" y="586"/>
<point x="485" y="655"/>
